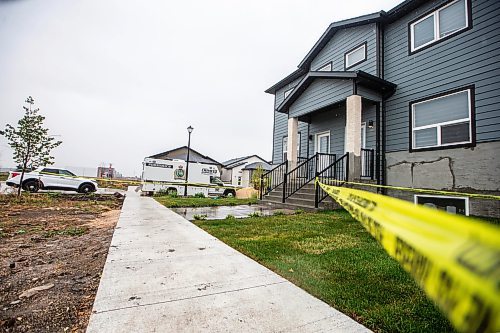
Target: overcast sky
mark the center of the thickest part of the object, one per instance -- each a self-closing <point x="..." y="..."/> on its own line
<point x="119" y="80"/>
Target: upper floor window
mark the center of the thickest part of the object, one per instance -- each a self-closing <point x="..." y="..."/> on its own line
<point x="355" y="56"/>
<point x="325" y="68"/>
<point x="439" y="24"/>
<point x="442" y="121"/>
<point x="287" y="92"/>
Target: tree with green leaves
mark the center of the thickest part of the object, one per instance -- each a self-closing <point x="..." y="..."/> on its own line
<point x="259" y="171"/>
<point x="30" y="140"/>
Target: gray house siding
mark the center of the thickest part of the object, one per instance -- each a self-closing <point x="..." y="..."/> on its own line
<point x="345" y="40"/>
<point x="319" y="94"/>
<point x="332" y="120"/>
<point x="469" y="58"/>
<point x="369" y="113"/>
<point x="280" y="130"/>
<point x="281" y="122"/>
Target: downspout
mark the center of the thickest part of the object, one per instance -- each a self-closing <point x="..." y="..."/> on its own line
<point x="383" y="111"/>
<point x="308" y="133"/>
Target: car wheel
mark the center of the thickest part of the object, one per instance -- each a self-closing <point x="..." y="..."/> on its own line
<point x="86" y="188"/>
<point x="229" y="194"/>
<point x="31" y="186"/>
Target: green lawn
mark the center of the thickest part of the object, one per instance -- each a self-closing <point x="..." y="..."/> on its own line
<point x="331" y="256"/>
<point x="4" y="176"/>
<point x="172" y="202"/>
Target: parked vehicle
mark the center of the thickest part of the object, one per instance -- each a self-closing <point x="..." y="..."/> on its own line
<point x="51" y="179"/>
<point x="170" y="176"/>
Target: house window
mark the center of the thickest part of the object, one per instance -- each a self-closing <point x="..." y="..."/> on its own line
<point x="239" y="180"/>
<point x="325" y="68"/>
<point x="287" y="92"/>
<point x="454" y="205"/>
<point x="285" y="147"/>
<point x="442" y="121"/>
<point x="439" y="24"/>
<point x="355" y="56"/>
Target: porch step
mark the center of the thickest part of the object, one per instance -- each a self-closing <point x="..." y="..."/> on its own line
<point x="302" y="199"/>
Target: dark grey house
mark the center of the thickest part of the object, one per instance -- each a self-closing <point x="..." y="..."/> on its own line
<point x="408" y="97"/>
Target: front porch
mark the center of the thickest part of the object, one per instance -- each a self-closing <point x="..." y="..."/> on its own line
<point x="333" y="132"/>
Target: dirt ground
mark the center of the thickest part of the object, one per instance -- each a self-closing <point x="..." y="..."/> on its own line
<point x="58" y="243"/>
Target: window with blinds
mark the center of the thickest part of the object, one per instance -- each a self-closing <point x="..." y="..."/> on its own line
<point x="442" y="121"/>
<point x="439" y="24"/>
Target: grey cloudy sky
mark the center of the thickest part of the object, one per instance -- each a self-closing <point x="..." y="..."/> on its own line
<point x="119" y="80"/>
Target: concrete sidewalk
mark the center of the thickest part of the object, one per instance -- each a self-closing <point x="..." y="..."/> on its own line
<point x="164" y="274"/>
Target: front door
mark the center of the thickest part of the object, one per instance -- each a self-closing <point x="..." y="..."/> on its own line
<point x="323" y="147"/>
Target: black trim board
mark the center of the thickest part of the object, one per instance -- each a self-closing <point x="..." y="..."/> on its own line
<point x="458" y="32"/>
<point x="472" y="89"/>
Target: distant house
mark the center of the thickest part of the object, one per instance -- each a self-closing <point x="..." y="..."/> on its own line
<point x="249" y="170"/>
<point x="181" y="154"/>
<point x="237" y="171"/>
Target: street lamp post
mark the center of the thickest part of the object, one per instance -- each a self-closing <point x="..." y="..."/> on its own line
<point x="190" y="129"/>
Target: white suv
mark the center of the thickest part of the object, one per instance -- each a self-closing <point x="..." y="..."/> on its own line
<point x="51" y="179"/>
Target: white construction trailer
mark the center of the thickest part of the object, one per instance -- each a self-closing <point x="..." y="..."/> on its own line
<point x="170" y="176"/>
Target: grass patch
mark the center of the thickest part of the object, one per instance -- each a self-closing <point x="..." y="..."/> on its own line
<point x="174" y="202"/>
<point x="4" y="176"/>
<point x="331" y="256"/>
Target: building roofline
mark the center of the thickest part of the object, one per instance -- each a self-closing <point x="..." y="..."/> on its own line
<point x="289" y="78"/>
<point x="384" y="17"/>
<point x="197" y="152"/>
<point x="333" y="28"/>
<point x="360" y="77"/>
<point x="239" y="159"/>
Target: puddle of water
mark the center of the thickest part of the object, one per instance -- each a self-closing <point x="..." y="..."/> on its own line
<point x="221" y="212"/>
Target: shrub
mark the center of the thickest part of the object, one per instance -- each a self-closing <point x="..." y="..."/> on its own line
<point x="200" y="217"/>
<point x="278" y="213"/>
<point x="199" y="195"/>
<point x="255" y="214"/>
<point x="299" y="211"/>
<point x="230" y="217"/>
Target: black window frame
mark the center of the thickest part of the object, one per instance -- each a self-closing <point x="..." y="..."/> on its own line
<point x="289" y="91"/>
<point x="469" y="26"/>
<point x="472" y="120"/>
<point x="320" y="69"/>
<point x="365" y="44"/>
<point x="465" y="199"/>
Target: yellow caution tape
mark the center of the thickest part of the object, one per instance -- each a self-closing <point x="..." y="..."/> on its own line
<point x="421" y="190"/>
<point x="138" y="182"/>
<point x="455" y="259"/>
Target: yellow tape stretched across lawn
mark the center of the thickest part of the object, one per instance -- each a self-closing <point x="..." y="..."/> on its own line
<point x="455" y="259"/>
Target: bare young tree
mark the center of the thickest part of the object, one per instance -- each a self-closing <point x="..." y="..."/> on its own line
<point x="30" y="140"/>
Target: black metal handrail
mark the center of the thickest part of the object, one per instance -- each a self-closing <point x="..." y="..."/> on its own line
<point x="367" y="163"/>
<point x="334" y="174"/>
<point x="273" y="178"/>
<point x="305" y="172"/>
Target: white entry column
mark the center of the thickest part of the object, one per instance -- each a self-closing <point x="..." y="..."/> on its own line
<point x="293" y="137"/>
<point x="353" y="125"/>
<point x="353" y="135"/>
